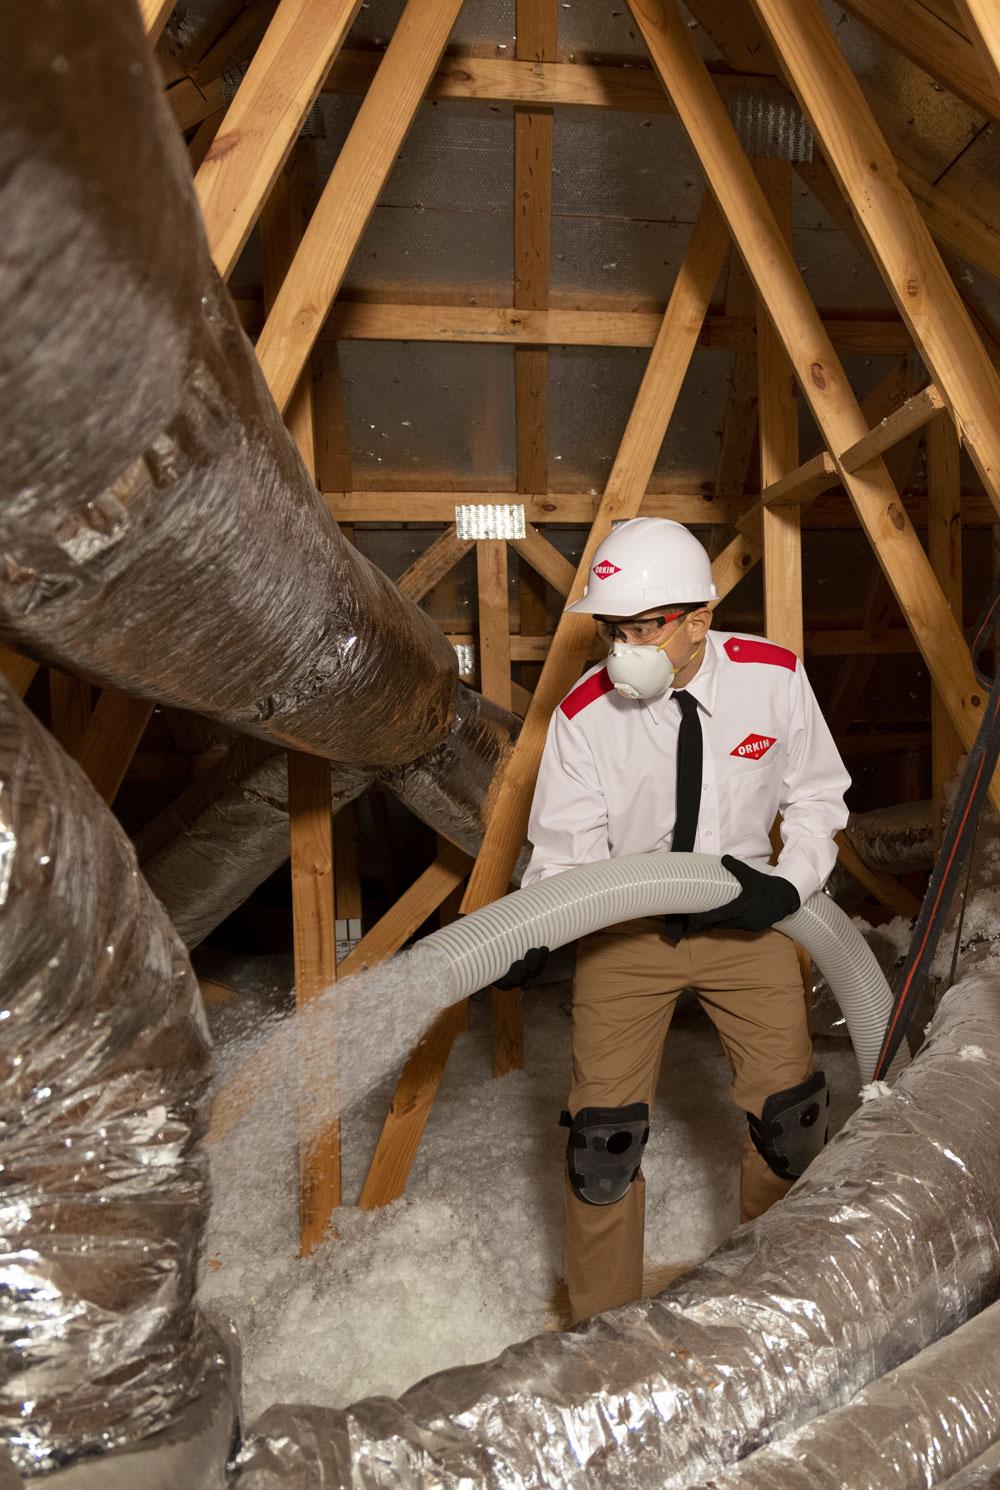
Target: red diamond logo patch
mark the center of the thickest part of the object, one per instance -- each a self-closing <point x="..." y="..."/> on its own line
<point x="605" y="569"/>
<point x="754" y="746"/>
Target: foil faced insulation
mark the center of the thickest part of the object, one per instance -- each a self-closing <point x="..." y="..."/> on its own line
<point x="159" y="532"/>
<point x="898" y="839"/>
<point x="103" y="1074"/>
<point x="933" y="1416"/>
<point x="210" y="849"/>
<point x="890" y="1240"/>
<point x="223" y="836"/>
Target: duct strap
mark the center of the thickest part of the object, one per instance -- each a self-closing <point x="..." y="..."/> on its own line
<point x="959" y="836"/>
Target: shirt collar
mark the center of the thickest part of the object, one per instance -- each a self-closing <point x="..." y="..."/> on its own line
<point x="702" y="686"/>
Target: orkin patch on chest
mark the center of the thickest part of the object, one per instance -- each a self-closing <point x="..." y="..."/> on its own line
<point x="754" y="746"/>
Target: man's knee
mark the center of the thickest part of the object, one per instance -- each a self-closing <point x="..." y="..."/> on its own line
<point x="792" y="1127"/>
<point x="604" y="1150"/>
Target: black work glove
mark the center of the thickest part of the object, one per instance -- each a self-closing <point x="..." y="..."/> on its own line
<point x="764" y="899"/>
<point x="525" y="969"/>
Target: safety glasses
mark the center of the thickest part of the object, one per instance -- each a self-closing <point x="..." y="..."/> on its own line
<point x="614" y="630"/>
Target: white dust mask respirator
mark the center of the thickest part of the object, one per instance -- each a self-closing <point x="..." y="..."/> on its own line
<point x="642" y="672"/>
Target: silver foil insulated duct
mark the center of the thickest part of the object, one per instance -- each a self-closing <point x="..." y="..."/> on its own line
<point x="104" y="1066"/>
<point x="158" y="531"/>
<point x="890" y="1240"/>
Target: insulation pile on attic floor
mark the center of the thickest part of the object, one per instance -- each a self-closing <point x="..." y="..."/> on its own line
<point x="468" y="1261"/>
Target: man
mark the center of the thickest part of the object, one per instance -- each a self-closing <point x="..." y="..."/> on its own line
<point x="686" y="740"/>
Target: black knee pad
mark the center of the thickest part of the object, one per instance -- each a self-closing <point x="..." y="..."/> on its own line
<point x="792" y="1128"/>
<point x="604" y="1150"/>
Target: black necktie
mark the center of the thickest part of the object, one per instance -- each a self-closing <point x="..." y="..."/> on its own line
<point x="689" y="761"/>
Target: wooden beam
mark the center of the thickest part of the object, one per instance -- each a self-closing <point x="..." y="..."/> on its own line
<point x="740" y="424"/>
<point x="897" y="235"/>
<point x="70" y="709"/>
<point x="367" y="320"/>
<point x="545" y="559"/>
<point x="887" y="890"/>
<point x="820" y="374"/>
<point x="637" y="454"/>
<point x="19" y="671"/>
<point x="981" y="20"/>
<point x="264" y="119"/>
<point x="539" y="85"/>
<point x="314" y="936"/>
<point x="155" y="15"/>
<point x="111" y="739"/>
<point x="933" y="45"/>
<point x="906" y="420"/>
<point x="348" y="199"/>
<point x="781" y="534"/>
<point x="944" y="549"/>
<point x="314" y="944"/>
<point x="437" y="560"/>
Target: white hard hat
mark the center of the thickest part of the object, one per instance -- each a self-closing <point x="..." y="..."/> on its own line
<point x="645" y="562"/>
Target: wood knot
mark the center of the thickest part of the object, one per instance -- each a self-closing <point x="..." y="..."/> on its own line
<point x="817" y="375"/>
<point x="896" y="516"/>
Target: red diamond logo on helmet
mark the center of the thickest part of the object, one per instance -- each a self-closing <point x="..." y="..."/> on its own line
<point x="605" y="569"/>
<point x="754" y="746"/>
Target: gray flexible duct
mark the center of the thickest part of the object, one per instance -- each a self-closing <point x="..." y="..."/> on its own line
<point x="480" y="947"/>
<point x="930" y="1418"/>
<point x="888" y="1242"/>
<point x="158" y="530"/>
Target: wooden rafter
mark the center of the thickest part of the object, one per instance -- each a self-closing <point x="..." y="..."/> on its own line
<point x="932" y="44"/>
<point x="819" y="372"/>
<point x="111" y="739"/>
<point x="981" y="20"/>
<point x="739" y="426"/>
<point x="19" y="671"/>
<point x="349" y="196"/>
<point x="640" y="446"/>
<point x="897" y="236"/>
<point x="944" y="549"/>
<point x="264" y="119"/>
<point x="155" y="15"/>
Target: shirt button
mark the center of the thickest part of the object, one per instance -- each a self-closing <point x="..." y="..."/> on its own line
<point x="705" y="787"/>
<point x="709" y="833"/>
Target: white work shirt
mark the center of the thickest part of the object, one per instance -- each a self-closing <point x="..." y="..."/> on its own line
<point x="607" y="783"/>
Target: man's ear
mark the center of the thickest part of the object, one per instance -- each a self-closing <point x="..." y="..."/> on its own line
<point x="700" y="621"/>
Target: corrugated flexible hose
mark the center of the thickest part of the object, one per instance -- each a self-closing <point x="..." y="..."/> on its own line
<point x="480" y="947"/>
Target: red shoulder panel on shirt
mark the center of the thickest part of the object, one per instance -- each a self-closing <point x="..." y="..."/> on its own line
<point x="742" y="649"/>
<point x="584" y="693"/>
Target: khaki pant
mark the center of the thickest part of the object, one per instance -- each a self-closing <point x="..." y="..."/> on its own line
<point x="628" y="981"/>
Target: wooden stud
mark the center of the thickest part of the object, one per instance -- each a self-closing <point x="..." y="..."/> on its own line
<point x="19" y="671"/>
<point x="933" y="45"/>
<point x="778" y="416"/>
<point x="314" y="942"/>
<point x="111" y="739"/>
<point x="740" y="423"/>
<point x="944" y="548"/>
<point x="640" y="446"/>
<point x="437" y="560"/>
<point x="70" y="705"/>
<point x="310" y="810"/>
<point x="348" y="199"/>
<point x="494" y="620"/>
<point x="820" y="375"/>
<point x="264" y="120"/>
<point x="897" y="236"/>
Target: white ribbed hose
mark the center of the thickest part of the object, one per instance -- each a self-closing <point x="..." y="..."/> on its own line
<point x="481" y="946"/>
